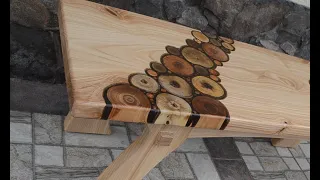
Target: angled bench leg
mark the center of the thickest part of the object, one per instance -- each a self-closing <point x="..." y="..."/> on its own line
<point x="156" y="142"/>
<point x="285" y="142"/>
<point x="86" y="125"/>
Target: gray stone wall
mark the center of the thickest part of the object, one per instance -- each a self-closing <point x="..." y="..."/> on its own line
<point x="278" y="25"/>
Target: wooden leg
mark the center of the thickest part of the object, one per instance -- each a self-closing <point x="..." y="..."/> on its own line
<point x="284" y="142"/>
<point x="156" y="142"/>
<point x="85" y="125"/>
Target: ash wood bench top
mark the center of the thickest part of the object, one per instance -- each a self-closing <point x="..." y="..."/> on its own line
<point x="129" y="67"/>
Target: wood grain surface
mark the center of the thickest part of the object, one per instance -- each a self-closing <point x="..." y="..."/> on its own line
<point x="267" y="92"/>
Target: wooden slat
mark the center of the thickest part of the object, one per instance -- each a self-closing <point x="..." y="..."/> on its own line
<point x="267" y="92"/>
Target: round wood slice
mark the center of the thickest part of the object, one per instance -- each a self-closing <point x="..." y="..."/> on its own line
<point x="215" y="78"/>
<point x="151" y="72"/>
<point x="173" y="50"/>
<point x="193" y="43"/>
<point x="200" y="36"/>
<point x="196" y="57"/>
<point x="215" y="42"/>
<point x="215" y="52"/>
<point x="144" y="82"/>
<point x="209" y="87"/>
<point x="208" y="105"/>
<point x="214" y="72"/>
<point x="124" y="94"/>
<point x="225" y="50"/>
<point x="175" y="85"/>
<point x="218" y="63"/>
<point x="228" y="46"/>
<point x="201" y="70"/>
<point x="158" y="67"/>
<point x="170" y="102"/>
<point x="177" y="65"/>
<point x="227" y="40"/>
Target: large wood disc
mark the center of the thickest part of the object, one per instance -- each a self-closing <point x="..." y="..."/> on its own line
<point x="227" y="40"/>
<point x="196" y="57"/>
<point x="201" y="70"/>
<point x="193" y="43"/>
<point x="177" y="65"/>
<point x="215" y="42"/>
<point x="215" y="52"/>
<point x="228" y="46"/>
<point x="175" y="85"/>
<point x="173" y="50"/>
<point x="126" y="95"/>
<point x="208" y="105"/>
<point x="144" y="82"/>
<point x="158" y="67"/>
<point x="200" y="36"/>
<point x="209" y="87"/>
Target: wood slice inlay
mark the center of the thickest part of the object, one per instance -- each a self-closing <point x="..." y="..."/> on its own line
<point x="228" y="46"/>
<point x="151" y="72"/>
<point x="201" y="70"/>
<point x="175" y="85"/>
<point x="209" y="87"/>
<point x="195" y="56"/>
<point x="214" y="72"/>
<point x="215" y="42"/>
<point x="215" y="78"/>
<point x="177" y="65"/>
<point x="144" y="82"/>
<point x="227" y="40"/>
<point x="200" y="36"/>
<point x="173" y="50"/>
<point x="215" y="52"/>
<point x="193" y="43"/>
<point x="158" y="67"/>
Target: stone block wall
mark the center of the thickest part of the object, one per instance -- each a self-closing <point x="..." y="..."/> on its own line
<point x="279" y="25"/>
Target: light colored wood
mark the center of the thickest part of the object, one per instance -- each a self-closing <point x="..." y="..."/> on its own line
<point x="86" y="125"/>
<point x="145" y="153"/>
<point x="285" y="142"/>
<point x="267" y="92"/>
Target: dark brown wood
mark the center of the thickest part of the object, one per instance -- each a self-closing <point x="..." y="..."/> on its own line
<point x="158" y="67"/>
<point x="215" y="42"/>
<point x="193" y="43"/>
<point x="215" y="52"/>
<point x="173" y="50"/>
<point x="195" y="56"/>
<point x="201" y="70"/>
<point x="177" y="65"/>
<point x="200" y="36"/>
<point x="227" y="40"/>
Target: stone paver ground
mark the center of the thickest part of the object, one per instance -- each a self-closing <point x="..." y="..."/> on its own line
<point x="40" y="149"/>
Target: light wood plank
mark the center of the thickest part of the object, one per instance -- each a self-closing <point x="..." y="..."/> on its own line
<point x="285" y="142"/>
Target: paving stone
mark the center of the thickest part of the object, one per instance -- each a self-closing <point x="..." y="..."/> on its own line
<point x="20" y="133"/>
<point x="118" y="138"/>
<point x="258" y="175"/>
<point x="48" y="155"/>
<point x="232" y="169"/>
<point x="116" y="153"/>
<point x="20" y="117"/>
<point x="304" y="142"/>
<point x="135" y="130"/>
<point x="65" y="173"/>
<point x="87" y="157"/>
<point x="202" y="166"/>
<point x="154" y="174"/>
<point x="295" y="175"/>
<point x="305" y="149"/>
<point x="252" y="163"/>
<point x="263" y="149"/>
<point x="291" y="163"/>
<point x="308" y="160"/>
<point x="222" y="148"/>
<point x="296" y="152"/>
<point x="307" y="173"/>
<point x="303" y="163"/>
<point x="284" y="152"/>
<point x="246" y="139"/>
<point x="116" y="123"/>
<point x="273" y="164"/>
<point x="193" y="145"/>
<point x="243" y="147"/>
<point x="175" y="165"/>
<point x="48" y="129"/>
<point x="20" y="162"/>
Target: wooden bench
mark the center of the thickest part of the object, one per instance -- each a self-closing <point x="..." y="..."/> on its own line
<point x="181" y="82"/>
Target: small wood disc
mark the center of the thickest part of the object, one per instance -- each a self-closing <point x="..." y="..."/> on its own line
<point x="196" y="57"/>
<point x="150" y="95"/>
<point x="215" y="78"/>
<point x="215" y="52"/>
<point x="193" y="43"/>
<point x="214" y="72"/>
<point x="215" y="42"/>
<point x="200" y="36"/>
<point x="208" y="105"/>
<point x="173" y="50"/>
<point x="151" y="72"/>
<point x="144" y="82"/>
<point x="218" y="63"/>
<point x="170" y="102"/>
<point x="225" y="50"/>
<point x="197" y="40"/>
<point x="208" y="86"/>
<point x="124" y="94"/>
<point x="228" y="46"/>
<point x="201" y="70"/>
<point x="177" y="65"/>
<point x="175" y="85"/>
<point x="158" y="67"/>
<point x="227" y="40"/>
